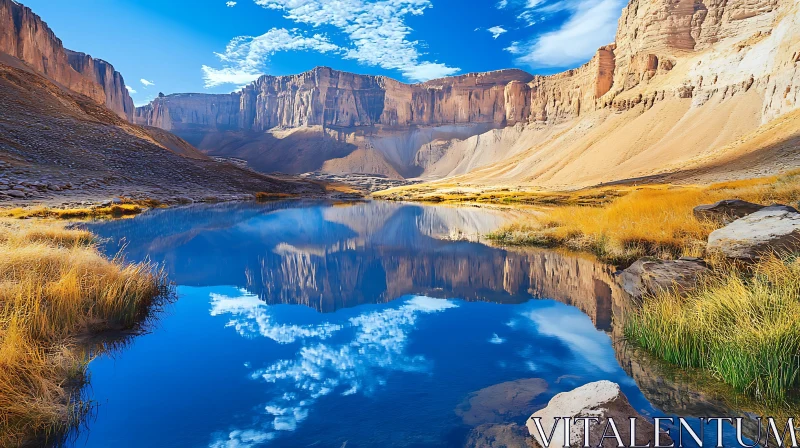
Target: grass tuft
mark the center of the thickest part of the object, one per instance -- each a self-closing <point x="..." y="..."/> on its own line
<point x="740" y="324"/>
<point x="56" y="286"/>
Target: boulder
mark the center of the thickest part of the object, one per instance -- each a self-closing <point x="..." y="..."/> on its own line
<point x="726" y="211"/>
<point x="509" y="435"/>
<point x="771" y="229"/>
<point x="603" y="400"/>
<point x="15" y="193"/>
<point x="502" y="402"/>
<point x="651" y="276"/>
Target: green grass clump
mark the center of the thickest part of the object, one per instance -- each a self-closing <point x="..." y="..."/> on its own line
<point x="740" y="324"/>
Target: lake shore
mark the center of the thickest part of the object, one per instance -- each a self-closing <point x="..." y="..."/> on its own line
<point x="736" y="321"/>
<point x="57" y="289"/>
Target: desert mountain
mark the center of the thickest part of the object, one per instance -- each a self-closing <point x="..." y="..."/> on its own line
<point x="65" y="130"/>
<point x="689" y="89"/>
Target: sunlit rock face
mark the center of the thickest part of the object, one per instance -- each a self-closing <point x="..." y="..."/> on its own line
<point x="25" y="36"/>
<point x="331" y="98"/>
<point x="117" y="97"/>
<point x="739" y="57"/>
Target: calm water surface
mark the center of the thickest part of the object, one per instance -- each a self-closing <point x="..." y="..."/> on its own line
<point x="362" y="325"/>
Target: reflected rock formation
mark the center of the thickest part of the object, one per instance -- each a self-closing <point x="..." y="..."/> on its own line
<point x="336" y="256"/>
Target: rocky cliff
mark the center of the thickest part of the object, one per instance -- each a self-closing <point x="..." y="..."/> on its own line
<point x="330" y="98"/>
<point x="685" y="82"/>
<point x="26" y="37"/>
<point x="110" y="80"/>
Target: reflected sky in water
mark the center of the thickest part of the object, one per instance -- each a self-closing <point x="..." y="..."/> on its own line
<point x="313" y="324"/>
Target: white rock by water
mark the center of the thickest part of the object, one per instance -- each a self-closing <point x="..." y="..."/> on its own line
<point x="770" y="229"/>
<point x="601" y="399"/>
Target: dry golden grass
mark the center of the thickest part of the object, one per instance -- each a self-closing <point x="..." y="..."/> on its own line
<point x="652" y="220"/>
<point x="55" y="286"/>
<point x="336" y="187"/>
<point x="451" y="194"/>
<point x="116" y="210"/>
<point x="263" y="196"/>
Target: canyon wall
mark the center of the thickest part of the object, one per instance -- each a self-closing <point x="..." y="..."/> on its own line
<point x="740" y="57"/>
<point x="330" y="98"/>
<point x="25" y="36"/>
<point x="101" y="72"/>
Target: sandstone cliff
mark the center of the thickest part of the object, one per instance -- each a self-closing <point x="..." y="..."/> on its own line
<point x="686" y="85"/>
<point x="103" y="73"/>
<point x="25" y="36"/>
<point x="331" y="98"/>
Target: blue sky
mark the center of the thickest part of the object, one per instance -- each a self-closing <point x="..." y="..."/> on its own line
<point x="217" y="46"/>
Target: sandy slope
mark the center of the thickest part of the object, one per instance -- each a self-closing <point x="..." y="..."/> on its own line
<point x="58" y="146"/>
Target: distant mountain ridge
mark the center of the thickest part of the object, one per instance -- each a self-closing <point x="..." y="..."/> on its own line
<point x="688" y="88"/>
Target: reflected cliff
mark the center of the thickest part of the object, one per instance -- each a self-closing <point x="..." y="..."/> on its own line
<point x="330" y="257"/>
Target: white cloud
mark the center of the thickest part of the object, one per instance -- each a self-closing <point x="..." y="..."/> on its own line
<point x="230" y="4"/>
<point x="376" y="31"/>
<point x="502" y="4"/>
<point x="146" y="83"/>
<point x="495" y="339"/>
<point x="528" y="17"/>
<point x="130" y="89"/>
<point x="496" y="31"/>
<point x="245" y="57"/>
<point x="375" y="345"/>
<point x="427" y="71"/>
<point x="592" y="24"/>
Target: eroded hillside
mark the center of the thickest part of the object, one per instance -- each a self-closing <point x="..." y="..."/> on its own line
<point x="687" y="86"/>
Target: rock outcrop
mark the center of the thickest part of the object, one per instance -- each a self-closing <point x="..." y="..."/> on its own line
<point x="26" y="37"/>
<point x="508" y="435"/>
<point x="650" y="276"/>
<point x="726" y="211"/>
<point x="501" y="403"/>
<point x="117" y="97"/>
<point x="603" y="400"/>
<point x="771" y="229"/>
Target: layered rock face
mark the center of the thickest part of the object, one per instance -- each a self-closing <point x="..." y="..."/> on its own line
<point x="731" y="66"/>
<point x="330" y="98"/>
<point x="103" y="73"/>
<point x="26" y="37"/>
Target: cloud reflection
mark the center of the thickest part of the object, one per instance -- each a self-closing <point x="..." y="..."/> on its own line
<point x="576" y="330"/>
<point x="250" y="318"/>
<point x="374" y="345"/>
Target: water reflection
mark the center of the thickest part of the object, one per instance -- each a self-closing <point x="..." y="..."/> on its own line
<point x="331" y="257"/>
<point x="406" y="314"/>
